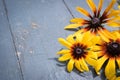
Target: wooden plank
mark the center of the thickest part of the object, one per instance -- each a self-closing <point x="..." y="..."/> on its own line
<point x="72" y="4"/>
<point x="9" y="69"/>
<point x="36" y="25"/>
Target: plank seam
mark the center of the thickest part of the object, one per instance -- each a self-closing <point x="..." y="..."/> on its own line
<point x="18" y="60"/>
<point x="68" y="8"/>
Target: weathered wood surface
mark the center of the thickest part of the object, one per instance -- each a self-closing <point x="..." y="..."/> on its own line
<point x="35" y="26"/>
<point x="9" y="67"/>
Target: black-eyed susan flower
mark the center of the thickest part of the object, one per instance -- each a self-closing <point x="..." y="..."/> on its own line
<point x="108" y="51"/>
<point x="78" y="52"/>
<point x="95" y="23"/>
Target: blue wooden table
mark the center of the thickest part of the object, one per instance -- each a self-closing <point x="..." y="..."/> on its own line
<point x="28" y="39"/>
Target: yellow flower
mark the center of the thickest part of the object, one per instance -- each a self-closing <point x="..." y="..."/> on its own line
<point x="96" y="21"/>
<point x="78" y="52"/>
<point x="108" y="51"/>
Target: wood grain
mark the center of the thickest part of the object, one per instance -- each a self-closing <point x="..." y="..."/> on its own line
<point x="9" y="68"/>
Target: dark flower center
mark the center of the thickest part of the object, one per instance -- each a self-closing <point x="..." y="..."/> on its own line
<point x="115" y="45"/>
<point x="113" y="49"/>
<point x="94" y="24"/>
<point x="78" y="51"/>
<point x="95" y="21"/>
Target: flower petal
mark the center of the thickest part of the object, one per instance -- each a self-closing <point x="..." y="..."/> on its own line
<point x="86" y="38"/>
<point x="65" y="57"/>
<point x="64" y="42"/>
<point x="110" y="69"/>
<point x="70" y="39"/>
<point x="77" y="65"/>
<point x="112" y="20"/>
<point x="78" y="20"/>
<point x="72" y="26"/>
<point x="79" y="32"/>
<point x="100" y="63"/>
<point x="109" y="7"/>
<point x="70" y="65"/>
<point x="83" y="65"/>
<point x="107" y="34"/>
<point x="114" y="24"/>
<point x="96" y="48"/>
<point x="99" y="53"/>
<point x="92" y="5"/>
<point x="113" y="13"/>
<point x="63" y="51"/>
<point x="83" y="11"/>
<point x="118" y="62"/>
<point x="90" y="61"/>
<point x="103" y="36"/>
<point x="116" y="33"/>
<point x="100" y="5"/>
<point x="79" y="37"/>
<point x="92" y="55"/>
<point x="96" y="39"/>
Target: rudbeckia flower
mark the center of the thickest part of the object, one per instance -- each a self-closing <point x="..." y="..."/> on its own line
<point x="108" y="51"/>
<point x="95" y="23"/>
<point x="78" y="52"/>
